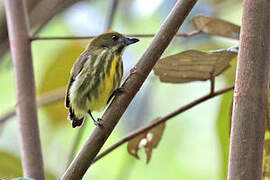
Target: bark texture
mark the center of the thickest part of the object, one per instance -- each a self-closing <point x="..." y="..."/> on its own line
<point x="25" y="89"/>
<point x="250" y="95"/>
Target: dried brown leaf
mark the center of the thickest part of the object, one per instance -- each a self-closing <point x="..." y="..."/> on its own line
<point x="148" y="140"/>
<point x="215" y="26"/>
<point x="153" y="137"/>
<point x="193" y="65"/>
<point x="133" y="145"/>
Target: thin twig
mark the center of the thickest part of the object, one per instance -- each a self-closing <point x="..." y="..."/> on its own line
<point x="45" y="10"/>
<point x="193" y="33"/>
<point x="47" y="98"/>
<point x="212" y="84"/>
<point x="112" y="115"/>
<point x="41" y="12"/>
<point x="111" y="14"/>
<point x="30" y="146"/>
<point x="51" y="96"/>
<point x="162" y="120"/>
<point x="7" y="116"/>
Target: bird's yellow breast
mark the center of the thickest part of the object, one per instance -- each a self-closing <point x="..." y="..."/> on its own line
<point x="105" y="88"/>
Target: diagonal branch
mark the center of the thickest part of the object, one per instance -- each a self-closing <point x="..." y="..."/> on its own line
<point x="20" y="45"/>
<point x="162" y="120"/>
<point x="94" y="143"/>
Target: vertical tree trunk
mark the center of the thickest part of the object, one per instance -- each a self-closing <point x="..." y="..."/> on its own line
<point x="250" y="95"/>
<point x="25" y="89"/>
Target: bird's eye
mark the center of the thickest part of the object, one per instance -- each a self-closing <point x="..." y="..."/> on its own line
<point x="115" y="37"/>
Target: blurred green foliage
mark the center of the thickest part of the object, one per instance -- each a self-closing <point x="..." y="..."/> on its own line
<point x="10" y="167"/>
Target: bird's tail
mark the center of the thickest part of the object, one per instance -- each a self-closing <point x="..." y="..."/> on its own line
<point x="75" y="121"/>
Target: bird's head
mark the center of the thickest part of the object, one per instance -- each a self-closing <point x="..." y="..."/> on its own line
<point x="112" y="41"/>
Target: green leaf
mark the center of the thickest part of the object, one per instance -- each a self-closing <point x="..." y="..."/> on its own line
<point x="223" y="131"/>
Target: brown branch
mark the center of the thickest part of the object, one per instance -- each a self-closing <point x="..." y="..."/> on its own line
<point x="41" y="12"/>
<point x="250" y="95"/>
<point x="50" y="97"/>
<point x="7" y="116"/>
<point x="32" y="161"/>
<point x="4" y="44"/>
<point x="212" y="84"/>
<point x="94" y="143"/>
<point x="45" y="10"/>
<point x="193" y="33"/>
<point x="162" y="120"/>
<point x="111" y="14"/>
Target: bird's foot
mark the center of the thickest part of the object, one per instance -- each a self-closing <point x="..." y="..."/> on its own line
<point x="98" y="122"/>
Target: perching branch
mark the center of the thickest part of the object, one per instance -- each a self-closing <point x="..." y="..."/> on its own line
<point x="193" y="33"/>
<point x="162" y="120"/>
<point x="25" y="89"/>
<point x="94" y="143"/>
<point x="250" y="95"/>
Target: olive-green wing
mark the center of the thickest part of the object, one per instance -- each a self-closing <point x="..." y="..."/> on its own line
<point x="76" y="69"/>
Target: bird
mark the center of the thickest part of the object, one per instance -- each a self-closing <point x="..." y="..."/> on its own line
<point x="96" y="76"/>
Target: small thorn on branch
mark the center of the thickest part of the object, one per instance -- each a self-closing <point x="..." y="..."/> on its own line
<point x="135" y="70"/>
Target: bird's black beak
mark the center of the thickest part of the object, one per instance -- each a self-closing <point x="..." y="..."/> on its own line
<point x="129" y="41"/>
